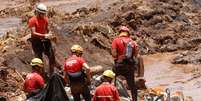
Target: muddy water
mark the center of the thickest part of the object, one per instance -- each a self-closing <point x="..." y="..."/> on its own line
<point x="9" y="3"/>
<point x="160" y="72"/>
<point x="7" y="24"/>
<point x="70" y="6"/>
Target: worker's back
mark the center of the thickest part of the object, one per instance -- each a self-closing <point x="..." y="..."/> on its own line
<point x="54" y="91"/>
<point x="106" y="92"/>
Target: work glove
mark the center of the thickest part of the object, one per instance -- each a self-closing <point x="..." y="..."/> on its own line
<point x="87" y="81"/>
<point x="48" y="36"/>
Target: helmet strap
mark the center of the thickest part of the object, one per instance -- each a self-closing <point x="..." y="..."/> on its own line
<point x="77" y="54"/>
<point x="107" y="79"/>
<point x="37" y="68"/>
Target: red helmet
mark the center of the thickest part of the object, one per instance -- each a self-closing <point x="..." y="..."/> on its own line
<point x="124" y="29"/>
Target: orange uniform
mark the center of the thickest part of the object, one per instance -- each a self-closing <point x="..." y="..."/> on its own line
<point x="118" y="44"/>
<point x="40" y="24"/>
<point x="33" y="82"/>
<point x="106" y="92"/>
<point x="74" y="64"/>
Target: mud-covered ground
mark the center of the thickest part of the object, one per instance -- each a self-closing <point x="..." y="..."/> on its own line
<point x="163" y="25"/>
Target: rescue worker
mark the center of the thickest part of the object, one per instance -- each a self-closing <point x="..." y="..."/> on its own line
<point x="77" y="74"/>
<point x="124" y="66"/>
<point x="106" y="91"/>
<point x="34" y="82"/>
<point x="40" y="36"/>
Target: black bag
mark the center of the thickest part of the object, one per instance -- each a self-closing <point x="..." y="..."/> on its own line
<point x="121" y="89"/>
<point x="2" y="98"/>
<point x="54" y="91"/>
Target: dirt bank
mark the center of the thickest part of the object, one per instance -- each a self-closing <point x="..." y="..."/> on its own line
<point x="11" y="87"/>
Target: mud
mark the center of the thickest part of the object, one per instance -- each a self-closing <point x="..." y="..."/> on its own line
<point x="11" y="86"/>
<point x="160" y="71"/>
<point x="162" y="25"/>
<point x="8" y="24"/>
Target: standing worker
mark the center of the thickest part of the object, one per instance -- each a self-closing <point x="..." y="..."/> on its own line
<point x="124" y="50"/>
<point x="40" y="36"/>
<point x="77" y="74"/>
<point x="106" y="91"/>
<point x="34" y="81"/>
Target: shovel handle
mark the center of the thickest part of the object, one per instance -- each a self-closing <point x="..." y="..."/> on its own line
<point x="19" y="74"/>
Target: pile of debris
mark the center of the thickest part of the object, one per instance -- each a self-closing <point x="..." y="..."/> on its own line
<point x="11" y="84"/>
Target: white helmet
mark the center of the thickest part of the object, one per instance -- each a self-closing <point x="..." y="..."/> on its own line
<point x="41" y="8"/>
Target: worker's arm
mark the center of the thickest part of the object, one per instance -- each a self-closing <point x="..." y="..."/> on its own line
<point x="66" y="79"/>
<point x="47" y="29"/>
<point x="86" y="67"/>
<point x="40" y="82"/>
<point x="136" y="51"/>
<point x="114" y="53"/>
<point x="35" y="33"/>
<point x="36" y="90"/>
<point x="88" y="74"/>
<point x="116" y="95"/>
<point x="65" y="75"/>
<point x="94" y="97"/>
<point x="114" y="49"/>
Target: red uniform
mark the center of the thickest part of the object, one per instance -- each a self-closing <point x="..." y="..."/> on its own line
<point x="40" y="24"/>
<point x="33" y="82"/>
<point x="74" y="64"/>
<point x="118" y="43"/>
<point x="126" y="69"/>
<point x="106" y="92"/>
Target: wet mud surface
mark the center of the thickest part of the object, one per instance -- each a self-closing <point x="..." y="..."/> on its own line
<point x="8" y="24"/>
<point x="159" y="71"/>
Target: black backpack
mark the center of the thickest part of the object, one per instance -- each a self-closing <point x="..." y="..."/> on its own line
<point x="54" y="91"/>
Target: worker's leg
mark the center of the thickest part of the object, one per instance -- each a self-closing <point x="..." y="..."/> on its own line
<point x="76" y="85"/>
<point x="76" y="97"/>
<point x="86" y="94"/>
<point x="50" y="53"/>
<point x="140" y="67"/>
<point x="37" y="47"/>
<point x="131" y="83"/>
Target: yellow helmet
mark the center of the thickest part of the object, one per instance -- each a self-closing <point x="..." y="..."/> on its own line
<point x="36" y="62"/>
<point x="124" y="34"/>
<point x="77" y="48"/>
<point x="109" y="73"/>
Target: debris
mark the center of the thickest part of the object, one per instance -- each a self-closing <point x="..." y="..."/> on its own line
<point x="3" y="73"/>
<point x="96" y="69"/>
<point x="166" y="25"/>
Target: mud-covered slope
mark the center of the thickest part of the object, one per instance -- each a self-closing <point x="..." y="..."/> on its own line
<point x="165" y="26"/>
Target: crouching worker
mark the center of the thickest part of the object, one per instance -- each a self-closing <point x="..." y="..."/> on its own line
<point x="106" y="91"/>
<point x="77" y="74"/>
<point x="34" y="81"/>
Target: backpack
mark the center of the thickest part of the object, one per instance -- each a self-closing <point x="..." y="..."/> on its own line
<point x="128" y="52"/>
